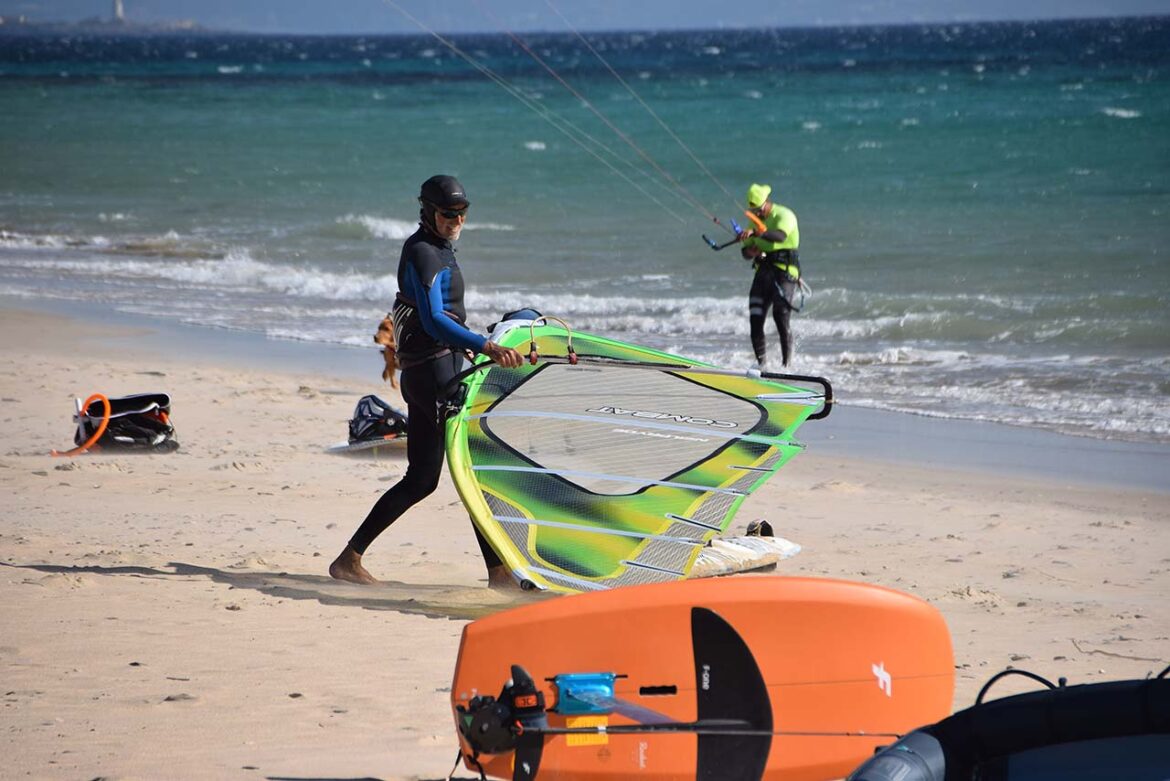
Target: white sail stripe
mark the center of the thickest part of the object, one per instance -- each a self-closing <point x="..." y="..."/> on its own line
<point x="584" y="584"/>
<point x="808" y="399"/>
<point x="614" y="478"/>
<point x="629" y="421"/>
<point x="668" y="368"/>
<point x="595" y="530"/>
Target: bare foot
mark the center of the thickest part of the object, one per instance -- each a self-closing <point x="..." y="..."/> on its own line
<point x="348" y="567"/>
<point x="501" y="580"/>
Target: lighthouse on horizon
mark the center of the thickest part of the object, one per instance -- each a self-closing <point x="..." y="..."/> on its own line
<point x="119" y="12"/>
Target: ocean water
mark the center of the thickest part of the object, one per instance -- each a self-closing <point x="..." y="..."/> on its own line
<point x="983" y="208"/>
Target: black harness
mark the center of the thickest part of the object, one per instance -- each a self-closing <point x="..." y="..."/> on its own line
<point x="406" y="322"/>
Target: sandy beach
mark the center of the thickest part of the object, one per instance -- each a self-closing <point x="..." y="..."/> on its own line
<point x="170" y="616"/>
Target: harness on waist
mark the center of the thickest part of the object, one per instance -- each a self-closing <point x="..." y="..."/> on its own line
<point x="408" y="322"/>
<point x="786" y="261"/>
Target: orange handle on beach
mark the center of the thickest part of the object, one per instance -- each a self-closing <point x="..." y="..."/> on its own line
<point x="101" y="429"/>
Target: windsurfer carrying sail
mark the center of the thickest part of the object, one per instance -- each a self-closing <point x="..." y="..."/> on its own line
<point x="772" y="248"/>
<point x="432" y="338"/>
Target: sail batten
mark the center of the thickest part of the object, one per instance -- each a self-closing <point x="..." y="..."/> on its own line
<point x="694" y="522"/>
<point x="583" y="529"/>
<point x="635" y="422"/>
<point x="560" y="577"/>
<point x="571" y="473"/>
<point x="800" y="397"/>
<point x="652" y="568"/>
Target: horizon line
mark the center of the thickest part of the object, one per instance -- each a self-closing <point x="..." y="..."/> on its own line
<point x="189" y="26"/>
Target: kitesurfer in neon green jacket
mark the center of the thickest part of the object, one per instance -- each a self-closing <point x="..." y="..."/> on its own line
<point x="771" y="243"/>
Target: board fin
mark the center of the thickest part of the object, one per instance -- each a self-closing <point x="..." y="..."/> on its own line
<point x="729" y="687"/>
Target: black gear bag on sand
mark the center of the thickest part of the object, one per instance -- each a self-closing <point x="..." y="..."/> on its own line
<point x="139" y="422"/>
<point x="374" y="419"/>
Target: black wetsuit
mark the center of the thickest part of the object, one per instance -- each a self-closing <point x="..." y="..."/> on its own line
<point x="774" y="289"/>
<point x="431" y="338"/>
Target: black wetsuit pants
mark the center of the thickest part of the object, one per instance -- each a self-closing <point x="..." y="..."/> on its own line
<point x="774" y="289"/>
<point x="422" y="388"/>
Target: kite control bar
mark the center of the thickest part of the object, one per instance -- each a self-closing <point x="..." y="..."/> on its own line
<point x="711" y="242"/>
<point x="760" y="226"/>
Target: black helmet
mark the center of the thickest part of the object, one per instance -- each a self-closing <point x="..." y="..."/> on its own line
<point x="444" y="192"/>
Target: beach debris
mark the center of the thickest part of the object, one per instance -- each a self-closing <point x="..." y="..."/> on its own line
<point x="240" y="466"/>
<point x="251" y="562"/>
<point x="980" y="597"/>
<point x="1077" y="645"/>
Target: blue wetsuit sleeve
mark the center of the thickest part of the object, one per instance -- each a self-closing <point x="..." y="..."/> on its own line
<point x="435" y="321"/>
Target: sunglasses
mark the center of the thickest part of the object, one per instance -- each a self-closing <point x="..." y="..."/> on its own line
<point x="450" y="214"/>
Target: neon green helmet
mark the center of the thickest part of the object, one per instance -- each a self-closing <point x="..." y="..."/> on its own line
<point x="757" y="194"/>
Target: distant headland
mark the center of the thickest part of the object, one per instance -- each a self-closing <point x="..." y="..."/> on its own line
<point x="13" y="25"/>
<point x="115" y="24"/>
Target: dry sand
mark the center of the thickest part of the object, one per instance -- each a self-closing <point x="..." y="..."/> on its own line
<point x="170" y="616"/>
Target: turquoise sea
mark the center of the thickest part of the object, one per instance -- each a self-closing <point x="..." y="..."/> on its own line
<point x="984" y="208"/>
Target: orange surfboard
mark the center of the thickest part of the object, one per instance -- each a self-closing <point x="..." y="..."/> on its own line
<point x="774" y="678"/>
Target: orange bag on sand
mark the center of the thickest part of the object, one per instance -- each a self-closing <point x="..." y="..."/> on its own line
<point x="385" y="337"/>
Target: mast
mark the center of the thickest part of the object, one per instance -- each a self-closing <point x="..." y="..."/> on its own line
<point x="119" y="12"/>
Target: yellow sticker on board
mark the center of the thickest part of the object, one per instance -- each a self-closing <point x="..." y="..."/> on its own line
<point x="594" y="739"/>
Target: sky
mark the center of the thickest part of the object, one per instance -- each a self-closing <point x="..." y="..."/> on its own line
<point x="454" y="16"/>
